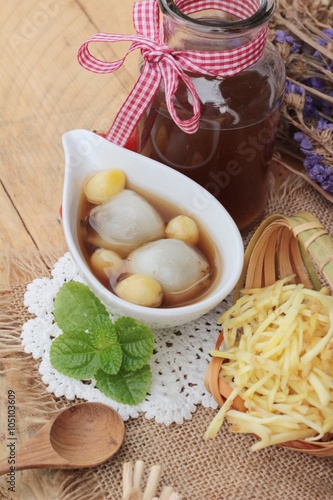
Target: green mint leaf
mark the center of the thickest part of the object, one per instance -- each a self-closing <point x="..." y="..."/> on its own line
<point x="74" y="355"/>
<point x="105" y="339"/>
<point x="80" y="354"/>
<point x="111" y="359"/>
<point x="76" y="307"/>
<point x="103" y="332"/>
<point x="92" y="345"/>
<point x="137" y="342"/>
<point x="126" y="387"/>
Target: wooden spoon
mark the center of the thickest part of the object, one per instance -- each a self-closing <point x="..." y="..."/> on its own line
<point x="83" y="435"/>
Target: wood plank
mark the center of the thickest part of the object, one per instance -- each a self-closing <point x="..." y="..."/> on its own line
<point x="44" y="93"/>
<point x="108" y="17"/>
<point x="13" y="234"/>
<point x="12" y="230"/>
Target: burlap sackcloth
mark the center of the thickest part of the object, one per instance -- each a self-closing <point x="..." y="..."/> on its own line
<point x="218" y="469"/>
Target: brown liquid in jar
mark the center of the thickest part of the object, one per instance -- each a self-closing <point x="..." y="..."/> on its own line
<point x="230" y="153"/>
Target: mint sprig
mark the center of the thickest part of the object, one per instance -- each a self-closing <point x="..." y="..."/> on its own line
<point x="136" y="342"/>
<point x="91" y="345"/>
<point x="76" y="307"/>
<point x="129" y="387"/>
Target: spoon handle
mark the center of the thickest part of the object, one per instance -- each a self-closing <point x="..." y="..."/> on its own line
<point x="37" y="452"/>
<point x="5" y="467"/>
<point x="12" y="464"/>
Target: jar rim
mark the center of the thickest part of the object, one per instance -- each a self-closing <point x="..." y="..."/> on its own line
<point x="260" y="17"/>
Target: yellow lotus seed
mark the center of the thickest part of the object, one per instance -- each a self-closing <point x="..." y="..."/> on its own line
<point x="106" y="263"/>
<point x="103" y="185"/>
<point x="140" y="289"/>
<point x="183" y="228"/>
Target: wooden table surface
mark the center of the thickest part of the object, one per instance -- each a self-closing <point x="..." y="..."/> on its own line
<point x="45" y="93"/>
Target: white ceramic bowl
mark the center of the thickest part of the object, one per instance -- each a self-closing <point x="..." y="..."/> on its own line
<point x="86" y="153"/>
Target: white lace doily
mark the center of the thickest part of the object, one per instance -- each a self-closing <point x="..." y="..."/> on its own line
<point x="178" y="364"/>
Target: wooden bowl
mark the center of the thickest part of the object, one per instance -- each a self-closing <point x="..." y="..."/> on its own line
<point x="280" y="247"/>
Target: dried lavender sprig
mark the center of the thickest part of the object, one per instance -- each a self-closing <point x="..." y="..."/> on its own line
<point x="318" y="169"/>
<point x="313" y="113"/>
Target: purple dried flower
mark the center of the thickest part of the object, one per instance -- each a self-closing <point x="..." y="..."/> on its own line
<point x="317" y="170"/>
<point x="327" y="184"/>
<point x="298" y="136"/>
<point x="316" y="83"/>
<point x="323" y="175"/>
<point x="310" y="110"/>
<point x="292" y="88"/>
<point x="296" y="48"/>
<point x="316" y="111"/>
<point x="311" y="161"/>
<point x="323" y="42"/>
<point x="283" y="37"/>
<point x="317" y="173"/>
<point x="304" y="142"/>
<point x="328" y="32"/>
<point x="324" y="125"/>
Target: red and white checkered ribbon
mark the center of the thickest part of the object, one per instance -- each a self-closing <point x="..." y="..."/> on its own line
<point x="161" y="63"/>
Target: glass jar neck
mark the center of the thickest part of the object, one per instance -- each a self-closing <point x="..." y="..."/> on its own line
<point x="230" y="25"/>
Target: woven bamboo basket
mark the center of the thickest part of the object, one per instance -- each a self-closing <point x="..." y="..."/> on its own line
<point x="282" y="246"/>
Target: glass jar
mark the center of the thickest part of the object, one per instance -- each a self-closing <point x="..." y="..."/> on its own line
<point x="230" y="153"/>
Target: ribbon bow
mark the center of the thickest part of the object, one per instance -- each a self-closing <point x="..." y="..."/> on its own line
<point x="161" y="63"/>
